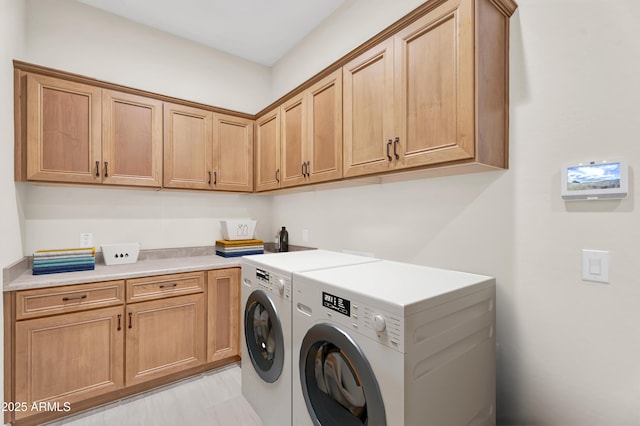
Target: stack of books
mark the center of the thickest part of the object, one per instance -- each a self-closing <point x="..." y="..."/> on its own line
<point x="235" y="248"/>
<point x="64" y="260"/>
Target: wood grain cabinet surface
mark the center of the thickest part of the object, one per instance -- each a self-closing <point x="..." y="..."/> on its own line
<point x="164" y="336"/>
<point x="311" y="141"/>
<point x="223" y="322"/>
<point x="88" y="344"/>
<point x="78" y="133"/>
<point x="268" y="174"/>
<point x="433" y="93"/>
<point x="207" y="150"/>
<point x="301" y="141"/>
<point x="68" y="358"/>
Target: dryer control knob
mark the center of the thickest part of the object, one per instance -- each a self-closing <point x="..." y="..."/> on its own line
<point x="280" y="285"/>
<point x="379" y="324"/>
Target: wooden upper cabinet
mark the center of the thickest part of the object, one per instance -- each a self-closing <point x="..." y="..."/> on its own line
<point x="62" y="130"/>
<point x="131" y="139"/>
<point x="232" y="153"/>
<point x="368" y="111"/>
<point x="294" y="140"/>
<point x="267" y="151"/>
<point x="78" y="133"/>
<point x="311" y="134"/>
<point x="323" y="150"/>
<point x="435" y="92"/>
<point x="434" y="67"/>
<point x="188" y="142"/>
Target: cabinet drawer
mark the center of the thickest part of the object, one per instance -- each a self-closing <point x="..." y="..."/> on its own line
<point x="161" y="286"/>
<point x="57" y="300"/>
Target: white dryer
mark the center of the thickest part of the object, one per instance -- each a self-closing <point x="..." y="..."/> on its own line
<point x="389" y="343"/>
<point x="266" y="323"/>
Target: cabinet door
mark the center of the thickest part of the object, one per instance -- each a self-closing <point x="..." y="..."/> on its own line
<point x="70" y="357"/>
<point x="368" y="111"/>
<point x="232" y="153"/>
<point x="267" y="161"/>
<point x="131" y="139"/>
<point x="188" y="141"/>
<point x="164" y="337"/>
<point x="435" y="86"/>
<point x="324" y="129"/>
<point x="294" y="140"/>
<point x="224" y="314"/>
<point x="63" y="131"/>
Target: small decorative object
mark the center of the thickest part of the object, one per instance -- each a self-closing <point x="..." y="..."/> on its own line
<point x="283" y="240"/>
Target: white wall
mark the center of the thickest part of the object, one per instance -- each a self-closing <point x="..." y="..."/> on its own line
<point x="71" y="36"/>
<point x="568" y="350"/>
<point x="349" y="26"/>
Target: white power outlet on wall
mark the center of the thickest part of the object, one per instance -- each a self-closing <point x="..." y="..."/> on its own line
<point x="86" y="239"/>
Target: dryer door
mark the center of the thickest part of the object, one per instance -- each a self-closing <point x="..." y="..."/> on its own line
<point x="337" y="381"/>
<point x="263" y="335"/>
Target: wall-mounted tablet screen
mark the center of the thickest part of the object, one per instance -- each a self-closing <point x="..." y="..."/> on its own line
<point x="595" y="180"/>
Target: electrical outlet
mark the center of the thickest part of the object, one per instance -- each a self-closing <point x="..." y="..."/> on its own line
<point x="119" y="254"/>
<point x="86" y="239"/>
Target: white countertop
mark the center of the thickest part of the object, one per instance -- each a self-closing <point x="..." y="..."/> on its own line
<point x="142" y="268"/>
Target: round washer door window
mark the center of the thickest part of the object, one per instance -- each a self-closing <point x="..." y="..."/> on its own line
<point x="338" y="384"/>
<point x="263" y="335"/>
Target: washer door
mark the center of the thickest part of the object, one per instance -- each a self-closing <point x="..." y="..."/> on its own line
<point x="263" y="335"/>
<point x="338" y="384"/>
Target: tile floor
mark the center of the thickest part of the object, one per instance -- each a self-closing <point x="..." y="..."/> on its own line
<point x="212" y="399"/>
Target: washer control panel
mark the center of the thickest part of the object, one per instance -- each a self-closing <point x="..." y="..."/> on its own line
<point x="274" y="283"/>
<point x="372" y="322"/>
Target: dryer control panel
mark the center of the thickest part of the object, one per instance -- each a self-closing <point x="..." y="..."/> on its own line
<point x="372" y="322"/>
<point x="274" y="283"/>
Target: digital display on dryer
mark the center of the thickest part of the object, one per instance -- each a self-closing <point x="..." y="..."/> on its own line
<point x="261" y="274"/>
<point x="336" y="303"/>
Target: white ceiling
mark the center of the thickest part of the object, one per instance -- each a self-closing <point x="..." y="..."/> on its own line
<point x="257" y="30"/>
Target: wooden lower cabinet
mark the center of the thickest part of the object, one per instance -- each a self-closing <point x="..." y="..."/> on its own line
<point x="68" y="358"/>
<point x="71" y="352"/>
<point x="164" y="336"/>
<point x="223" y="295"/>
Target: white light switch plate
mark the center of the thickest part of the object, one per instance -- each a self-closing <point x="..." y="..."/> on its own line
<point x="595" y="266"/>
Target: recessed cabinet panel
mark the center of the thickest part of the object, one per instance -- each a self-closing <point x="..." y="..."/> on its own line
<point x="188" y="140"/>
<point x="233" y="152"/>
<point x="132" y="139"/>
<point x="223" y="339"/>
<point x="430" y="64"/>
<point x="164" y="336"/>
<point x="434" y="87"/>
<point x="293" y="140"/>
<point x="368" y="111"/>
<point x="69" y="358"/>
<point x="267" y="145"/>
<point x="63" y="130"/>
<point x="324" y="127"/>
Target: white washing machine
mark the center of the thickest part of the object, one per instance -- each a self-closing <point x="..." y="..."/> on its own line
<point x="266" y="323"/>
<point x="389" y="343"/>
